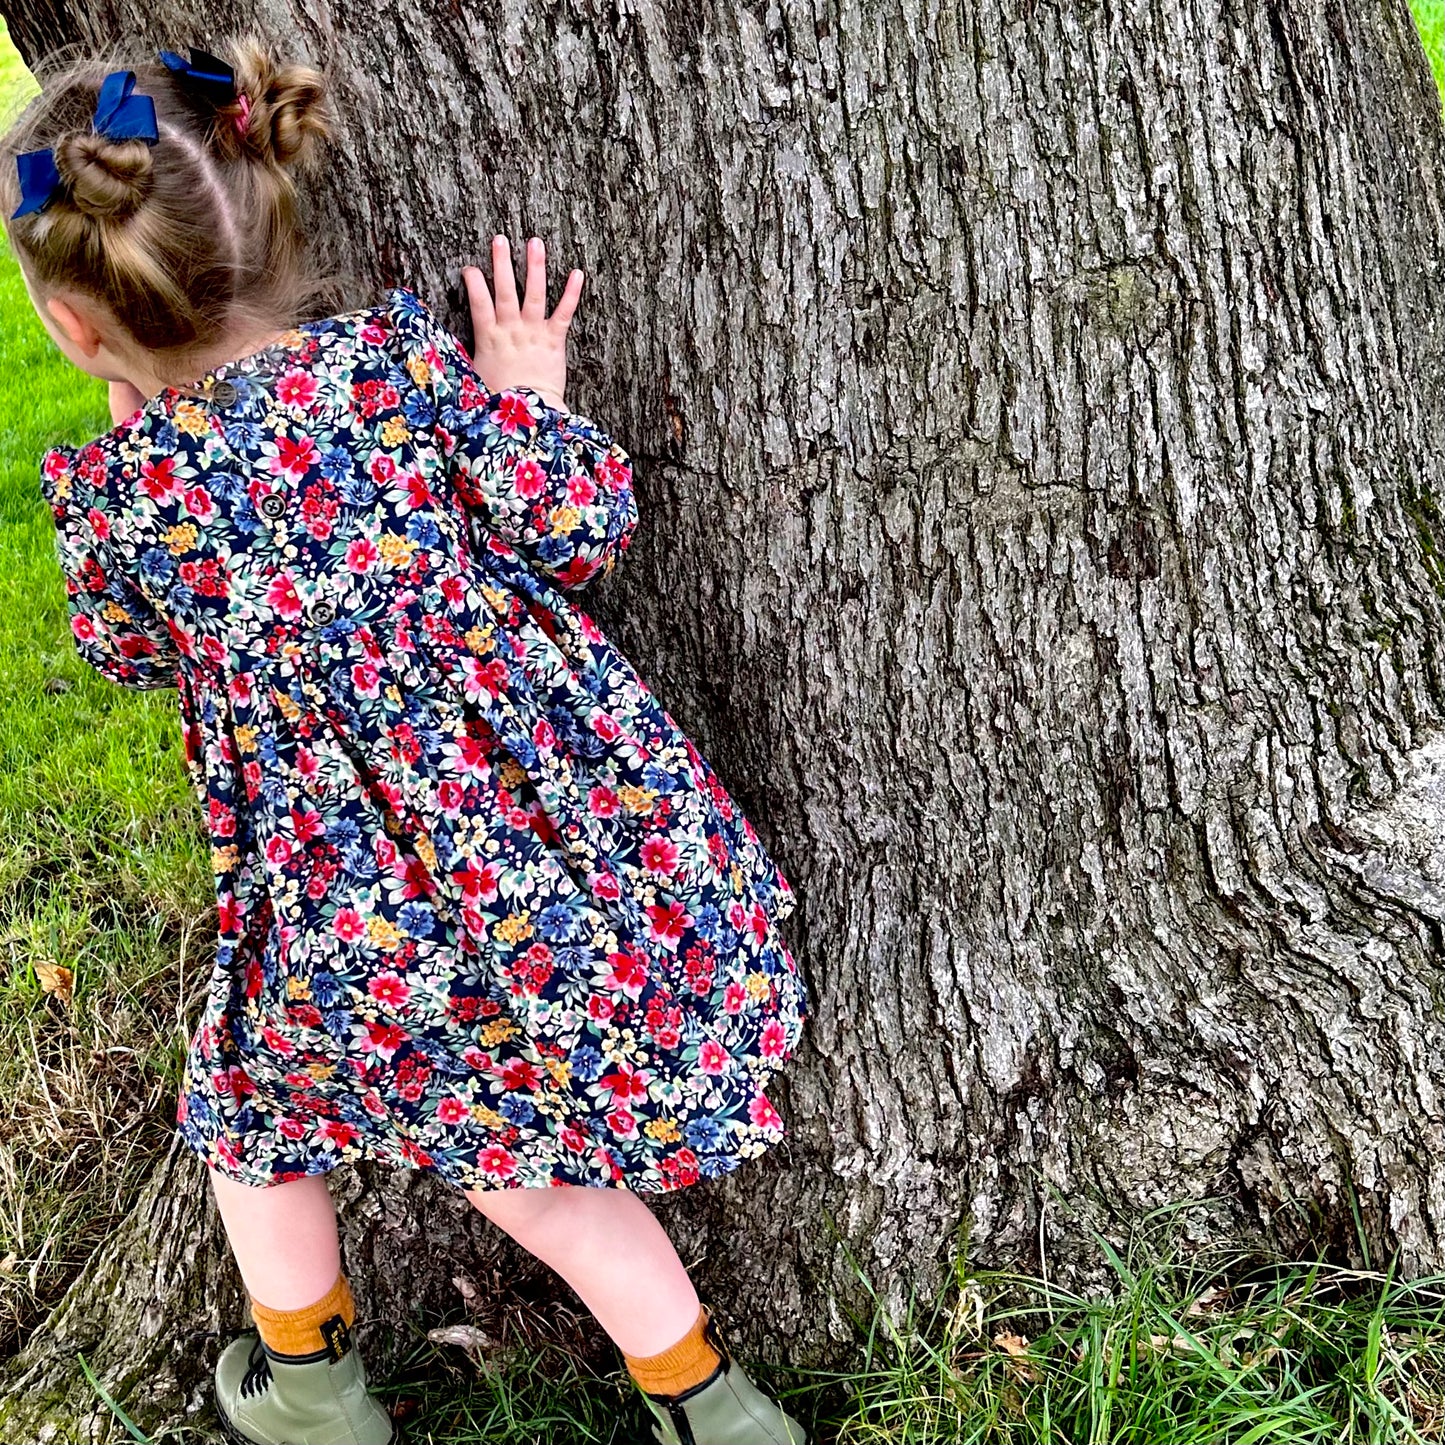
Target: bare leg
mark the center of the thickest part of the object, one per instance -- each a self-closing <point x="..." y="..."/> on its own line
<point x="283" y="1237"/>
<point x="608" y="1245"/>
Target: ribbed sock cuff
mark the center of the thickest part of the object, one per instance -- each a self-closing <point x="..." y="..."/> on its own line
<point x="326" y="1325"/>
<point x="679" y="1367"/>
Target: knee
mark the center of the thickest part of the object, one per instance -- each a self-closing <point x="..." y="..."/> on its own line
<point x="528" y="1215"/>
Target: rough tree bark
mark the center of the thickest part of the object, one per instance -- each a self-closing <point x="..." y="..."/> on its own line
<point x="1037" y="411"/>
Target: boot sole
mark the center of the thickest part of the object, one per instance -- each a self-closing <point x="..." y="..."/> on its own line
<point x="235" y="1437"/>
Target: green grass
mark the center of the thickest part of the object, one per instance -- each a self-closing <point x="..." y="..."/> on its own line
<point x="103" y="872"/>
<point x="1430" y="21"/>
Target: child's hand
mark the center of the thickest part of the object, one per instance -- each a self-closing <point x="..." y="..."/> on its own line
<point x="521" y="346"/>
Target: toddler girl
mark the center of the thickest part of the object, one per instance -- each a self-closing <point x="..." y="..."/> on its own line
<point x="484" y="910"/>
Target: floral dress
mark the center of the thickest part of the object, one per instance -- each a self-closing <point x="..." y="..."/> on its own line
<point x="483" y="908"/>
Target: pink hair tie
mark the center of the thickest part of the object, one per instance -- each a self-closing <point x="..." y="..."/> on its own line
<point x="243" y="119"/>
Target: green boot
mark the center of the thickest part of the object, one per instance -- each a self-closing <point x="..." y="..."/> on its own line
<point x="726" y="1409"/>
<point x="320" y="1399"/>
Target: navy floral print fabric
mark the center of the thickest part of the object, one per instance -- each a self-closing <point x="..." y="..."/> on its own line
<point x="483" y="908"/>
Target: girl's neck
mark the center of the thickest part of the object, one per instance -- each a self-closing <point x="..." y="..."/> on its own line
<point x="192" y="367"/>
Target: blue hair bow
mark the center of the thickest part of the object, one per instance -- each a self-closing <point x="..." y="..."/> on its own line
<point x="207" y="76"/>
<point x="120" y="114"/>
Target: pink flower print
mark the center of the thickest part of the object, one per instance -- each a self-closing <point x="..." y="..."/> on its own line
<point x="666" y="922"/>
<point x="365" y="679"/>
<point x="622" y="1124"/>
<point x="308" y="823"/>
<point x="296" y="387"/>
<point x="629" y="974"/>
<point x="282" y="597"/>
<point x="581" y="490"/>
<point x="339" y="1133"/>
<point x="452" y="1110"/>
<point x="483" y="675"/>
<point x="603" y="802"/>
<point x="605" y="887"/>
<point x="200" y="504"/>
<point x="758" y="923"/>
<point x="479" y="884"/>
<point x="158" y="479"/>
<point x="712" y="1058"/>
<point x="385" y="1039"/>
<point x="627" y="1084"/>
<point x="735" y="995"/>
<point x="521" y="1076"/>
<point x="497" y="1161"/>
<point x="293" y="458"/>
<point x="388" y="988"/>
<point x="530" y="479"/>
<point x="348" y="925"/>
<point x="512" y="414"/>
<point x="773" y="1040"/>
<point x="762" y="1113"/>
<point x="605" y="726"/>
<point x="659" y="855"/>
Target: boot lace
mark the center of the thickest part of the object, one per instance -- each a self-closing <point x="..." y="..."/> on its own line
<point x="257" y="1379"/>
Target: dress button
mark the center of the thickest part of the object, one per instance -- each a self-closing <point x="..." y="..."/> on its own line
<point x="322" y="613"/>
<point x="272" y="505"/>
<point x="224" y="394"/>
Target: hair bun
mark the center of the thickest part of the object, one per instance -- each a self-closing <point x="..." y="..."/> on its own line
<point x="107" y="179"/>
<point x="289" y="114"/>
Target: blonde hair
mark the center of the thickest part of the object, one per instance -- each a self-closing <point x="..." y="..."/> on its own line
<point x="193" y="239"/>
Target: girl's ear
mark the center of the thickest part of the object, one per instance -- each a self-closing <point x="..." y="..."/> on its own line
<point x="77" y="324"/>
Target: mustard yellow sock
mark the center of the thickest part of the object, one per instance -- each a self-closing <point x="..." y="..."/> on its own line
<point x="326" y="1325"/>
<point x="679" y="1367"/>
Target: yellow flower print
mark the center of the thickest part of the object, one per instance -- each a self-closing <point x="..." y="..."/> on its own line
<point x="498" y="1032"/>
<point x="395" y="432"/>
<point x="495" y="598"/>
<point x="320" y="1071"/>
<point x="396" y="550"/>
<point x="384" y="934"/>
<point x="420" y="371"/>
<point x="514" y="928"/>
<point x="493" y="1120"/>
<point x="290" y="708"/>
<point x="426" y="851"/>
<point x="637" y="800"/>
<point x="180" y="538"/>
<point x="114" y="612"/>
<point x="665" y="1131"/>
<point x="479" y="639"/>
<point x="297" y="988"/>
<point x="561" y="1072"/>
<point x="512" y="773"/>
<point x="224" y="860"/>
<point x="191" y="419"/>
<point x="246" y="738"/>
<point x="759" y="986"/>
<point x="565" y="519"/>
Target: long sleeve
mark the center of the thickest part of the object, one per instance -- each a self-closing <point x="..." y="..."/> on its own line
<point x="116" y="630"/>
<point x="545" y="483"/>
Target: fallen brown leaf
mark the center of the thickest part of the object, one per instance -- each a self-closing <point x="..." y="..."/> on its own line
<point x="57" y="979"/>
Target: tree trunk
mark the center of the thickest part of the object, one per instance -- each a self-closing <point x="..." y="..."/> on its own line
<point x="1037" y="409"/>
